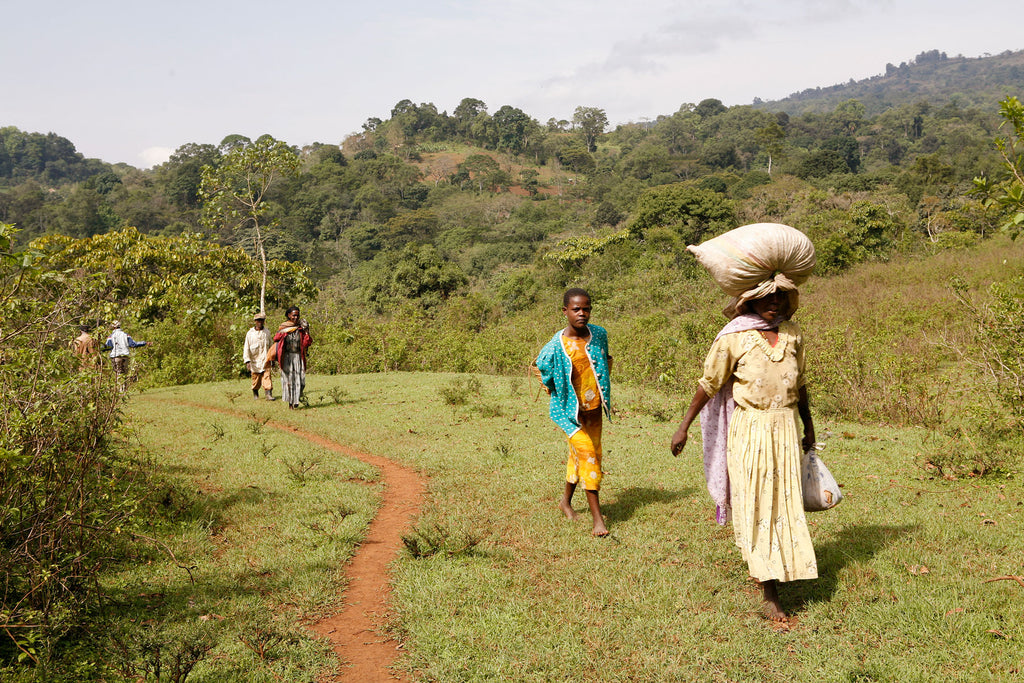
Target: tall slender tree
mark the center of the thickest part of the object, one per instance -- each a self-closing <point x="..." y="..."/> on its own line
<point x="234" y="193"/>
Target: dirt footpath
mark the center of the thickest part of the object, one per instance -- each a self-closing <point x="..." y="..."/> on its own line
<point x="356" y="632"/>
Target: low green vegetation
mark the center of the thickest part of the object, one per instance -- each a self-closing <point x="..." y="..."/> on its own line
<point x="237" y="542"/>
<point x="495" y="585"/>
<point x="889" y="344"/>
<point x="905" y="558"/>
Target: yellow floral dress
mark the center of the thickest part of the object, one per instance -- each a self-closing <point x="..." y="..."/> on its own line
<point x="584" y="463"/>
<point x="764" y="450"/>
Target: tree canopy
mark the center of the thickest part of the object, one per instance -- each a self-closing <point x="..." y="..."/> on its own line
<point x="235" y="193"/>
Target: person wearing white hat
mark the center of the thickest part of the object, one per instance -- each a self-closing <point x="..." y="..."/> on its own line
<point x="254" y="354"/>
<point x="120" y="345"/>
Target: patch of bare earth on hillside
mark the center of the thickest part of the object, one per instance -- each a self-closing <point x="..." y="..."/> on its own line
<point x="437" y="167"/>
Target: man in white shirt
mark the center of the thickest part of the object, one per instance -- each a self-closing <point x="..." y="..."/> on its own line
<point x="257" y="342"/>
<point x="120" y="344"/>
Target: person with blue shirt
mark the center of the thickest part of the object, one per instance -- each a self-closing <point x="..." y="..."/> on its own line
<point x="575" y="369"/>
<point x="120" y="345"/>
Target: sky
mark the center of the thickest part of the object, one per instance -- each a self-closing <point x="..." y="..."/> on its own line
<point x="132" y="81"/>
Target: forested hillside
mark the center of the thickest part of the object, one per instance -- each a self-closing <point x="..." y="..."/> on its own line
<point x="932" y="77"/>
<point x="464" y="220"/>
<point x="495" y="188"/>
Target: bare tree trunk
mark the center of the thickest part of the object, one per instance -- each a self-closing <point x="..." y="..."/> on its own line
<point x="258" y="239"/>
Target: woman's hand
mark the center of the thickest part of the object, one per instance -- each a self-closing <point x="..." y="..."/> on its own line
<point x="679" y="440"/>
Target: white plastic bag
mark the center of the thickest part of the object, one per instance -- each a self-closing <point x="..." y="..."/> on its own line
<point x="821" y="492"/>
<point x="742" y="259"/>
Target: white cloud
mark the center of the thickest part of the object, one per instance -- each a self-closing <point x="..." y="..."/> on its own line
<point x="151" y="156"/>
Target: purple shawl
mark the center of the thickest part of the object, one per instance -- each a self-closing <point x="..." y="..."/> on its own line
<point x="714" y="425"/>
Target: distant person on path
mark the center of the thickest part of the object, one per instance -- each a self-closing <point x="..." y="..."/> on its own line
<point x="292" y="340"/>
<point x="120" y="345"/>
<point x="87" y="349"/>
<point x="575" y="369"/>
<point x="752" y="395"/>
<point x="257" y="342"/>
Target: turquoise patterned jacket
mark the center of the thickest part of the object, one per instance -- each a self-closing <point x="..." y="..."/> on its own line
<point x="556" y="374"/>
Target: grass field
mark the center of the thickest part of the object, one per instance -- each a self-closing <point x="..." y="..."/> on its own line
<point x="506" y="589"/>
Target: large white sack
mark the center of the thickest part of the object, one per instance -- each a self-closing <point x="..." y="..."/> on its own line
<point x="743" y="258"/>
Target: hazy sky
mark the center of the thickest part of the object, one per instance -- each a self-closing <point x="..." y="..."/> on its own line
<point x="132" y="81"/>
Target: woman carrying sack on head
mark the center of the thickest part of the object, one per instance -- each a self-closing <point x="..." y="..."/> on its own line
<point x="751" y="397"/>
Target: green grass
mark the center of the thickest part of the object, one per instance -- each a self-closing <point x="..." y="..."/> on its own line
<point x="260" y="521"/>
<point x="903" y="561"/>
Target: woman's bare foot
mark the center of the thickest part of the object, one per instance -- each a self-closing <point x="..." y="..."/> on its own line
<point x="772" y="606"/>
<point x="566" y="508"/>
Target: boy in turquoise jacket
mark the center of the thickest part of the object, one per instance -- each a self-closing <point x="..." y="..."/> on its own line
<point x="575" y="369"/>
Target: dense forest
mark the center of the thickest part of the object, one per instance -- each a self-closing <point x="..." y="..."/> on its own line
<point x="480" y="215"/>
<point x="431" y="211"/>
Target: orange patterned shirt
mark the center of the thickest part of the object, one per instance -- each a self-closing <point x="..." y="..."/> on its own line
<point x="584" y="381"/>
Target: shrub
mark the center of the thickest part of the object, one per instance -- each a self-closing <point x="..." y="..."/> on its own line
<point x="956" y="240"/>
<point x="975" y="441"/>
<point x="65" y="494"/>
<point x="184" y="353"/>
<point x="64" y="498"/>
<point x="458" y="391"/>
<point x="692" y="212"/>
<point x="431" y="538"/>
<point x="843" y="238"/>
<point x="1000" y="325"/>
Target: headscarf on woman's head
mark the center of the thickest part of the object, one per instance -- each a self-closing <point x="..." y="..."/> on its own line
<point x="779" y="282"/>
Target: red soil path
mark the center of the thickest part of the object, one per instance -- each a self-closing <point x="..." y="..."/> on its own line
<point x="356" y="632"/>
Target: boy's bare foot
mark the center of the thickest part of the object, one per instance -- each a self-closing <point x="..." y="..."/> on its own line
<point x="594" y="503"/>
<point x="566" y="508"/>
